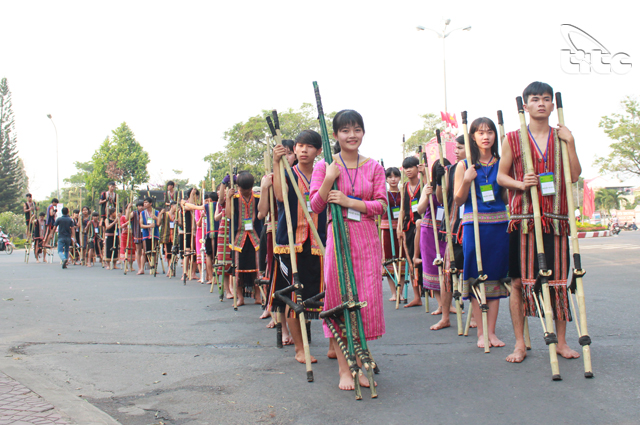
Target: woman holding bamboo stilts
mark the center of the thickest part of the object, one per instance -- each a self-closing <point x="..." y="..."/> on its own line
<point x="362" y="196"/>
<point x="430" y="273"/>
<point x="492" y="220"/>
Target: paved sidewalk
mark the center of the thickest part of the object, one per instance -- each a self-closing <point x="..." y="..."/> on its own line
<point x="21" y="406"/>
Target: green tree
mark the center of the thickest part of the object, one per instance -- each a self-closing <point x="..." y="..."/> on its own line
<point x="624" y="130"/>
<point x="247" y="141"/>
<point x="432" y="122"/>
<point x="13" y="179"/>
<point x="608" y="199"/>
<point x="120" y="159"/>
<point x="12" y="224"/>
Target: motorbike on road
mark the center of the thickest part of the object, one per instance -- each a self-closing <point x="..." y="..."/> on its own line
<point x="5" y="244"/>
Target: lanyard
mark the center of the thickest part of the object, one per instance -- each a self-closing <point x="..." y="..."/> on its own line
<point x="394" y="197"/>
<point x="300" y="173"/>
<point x="484" y="169"/>
<point x="544" y="156"/>
<point x="415" y="192"/>
<point x="355" y="178"/>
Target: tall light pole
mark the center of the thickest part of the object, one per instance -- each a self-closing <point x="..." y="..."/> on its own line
<point x="444" y="34"/>
<point x="57" y="166"/>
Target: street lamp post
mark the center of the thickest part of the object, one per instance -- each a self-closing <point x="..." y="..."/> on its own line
<point x="57" y="165"/>
<point x="444" y="34"/>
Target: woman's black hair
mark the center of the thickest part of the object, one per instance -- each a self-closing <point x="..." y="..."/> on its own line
<point x="345" y="118"/>
<point x="410" y="162"/>
<point x="309" y="137"/>
<point x="245" y="180"/>
<point x="213" y="196"/>
<point x="392" y="171"/>
<point x="336" y="148"/>
<point x="460" y="139"/>
<point x="433" y="172"/>
<point x="476" y="125"/>
<point x="170" y="183"/>
<point x="76" y="211"/>
<point x="140" y="204"/>
<point x="111" y="210"/>
<point x="288" y="143"/>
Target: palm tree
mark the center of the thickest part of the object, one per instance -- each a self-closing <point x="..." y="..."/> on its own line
<point x="608" y="199"/>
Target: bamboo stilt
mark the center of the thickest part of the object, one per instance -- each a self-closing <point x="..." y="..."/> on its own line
<point x="578" y="271"/>
<point x="292" y="250"/>
<point x="476" y="230"/>
<point x="453" y="270"/>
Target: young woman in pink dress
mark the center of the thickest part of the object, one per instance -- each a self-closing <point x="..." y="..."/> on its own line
<point x="362" y="195"/>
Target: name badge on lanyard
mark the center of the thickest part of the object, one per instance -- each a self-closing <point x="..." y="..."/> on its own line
<point x="395" y="211"/>
<point x="486" y="190"/>
<point x="547" y="185"/>
<point x="353" y="214"/>
<point x="439" y="213"/>
<point x="306" y="196"/>
<point x="461" y="212"/>
<point x="96" y="230"/>
<point x="248" y="224"/>
<point x="414" y="205"/>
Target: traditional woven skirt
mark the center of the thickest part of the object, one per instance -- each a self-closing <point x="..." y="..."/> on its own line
<point x="523" y="263"/>
<point x="127" y="248"/>
<point x="430" y="277"/>
<point x="366" y="250"/>
<point x="223" y="250"/>
<point x="494" y="245"/>
<point x="310" y="274"/>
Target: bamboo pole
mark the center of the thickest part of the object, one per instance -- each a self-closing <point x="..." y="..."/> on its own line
<point x="401" y="227"/>
<point x="438" y="260"/>
<point x="453" y="270"/>
<point x="232" y="277"/>
<point x="476" y="230"/>
<point x="275" y="127"/>
<point x="550" y="337"/>
<point x="578" y="271"/>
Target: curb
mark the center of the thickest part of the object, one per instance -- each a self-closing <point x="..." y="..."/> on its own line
<point x="78" y="410"/>
<point x="602" y="233"/>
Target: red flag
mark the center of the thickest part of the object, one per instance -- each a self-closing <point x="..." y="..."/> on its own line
<point x="445" y="117"/>
<point x="588" y="202"/>
<point x="453" y="121"/>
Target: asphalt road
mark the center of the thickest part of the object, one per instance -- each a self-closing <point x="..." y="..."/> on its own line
<point x="151" y="351"/>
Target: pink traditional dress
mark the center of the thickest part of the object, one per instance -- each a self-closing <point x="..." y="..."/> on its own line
<point x="366" y="182"/>
<point x="199" y="236"/>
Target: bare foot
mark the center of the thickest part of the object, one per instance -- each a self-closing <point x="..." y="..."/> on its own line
<point x="437" y="311"/>
<point x="346" y="382"/>
<point x="229" y="296"/>
<point x="116" y="268"/>
<point x="240" y="302"/>
<point x="481" y="341"/>
<point x="140" y="272"/>
<point x="364" y="382"/>
<point x="565" y="351"/>
<point x="473" y="323"/>
<point x="286" y="339"/>
<point x="331" y="354"/>
<point x="494" y="341"/>
<point x="392" y="298"/>
<point x="518" y="355"/>
<point x="300" y="358"/>
<point x="441" y="325"/>
<point x="415" y="303"/>
<point x="265" y="315"/>
<point x="258" y="302"/>
<point x="271" y="324"/>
